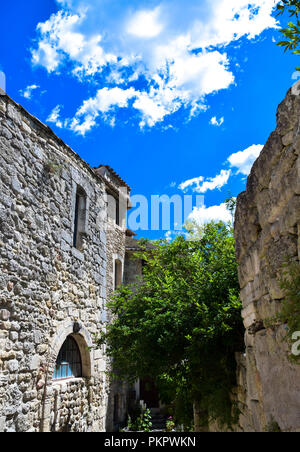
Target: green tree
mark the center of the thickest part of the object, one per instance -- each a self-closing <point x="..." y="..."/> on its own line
<point x="181" y="324"/>
<point x="292" y="32"/>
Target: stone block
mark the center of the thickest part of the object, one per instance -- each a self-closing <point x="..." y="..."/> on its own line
<point x="34" y="362"/>
<point x="4" y="314"/>
<point x="13" y="365"/>
<point x="13" y="114"/>
<point x="249" y="315"/>
<point x="288" y="138"/>
<point x="29" y="395"/>
<point x="2" y="424"/>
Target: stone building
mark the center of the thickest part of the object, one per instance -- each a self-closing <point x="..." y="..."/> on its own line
<point x="267" y="231"/>
<point x="62" y="252"/>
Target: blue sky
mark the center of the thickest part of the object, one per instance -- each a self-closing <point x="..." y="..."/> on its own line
<point x="177" y="98"/>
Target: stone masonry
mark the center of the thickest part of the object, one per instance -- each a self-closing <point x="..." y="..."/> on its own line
<point x="118" y="202"/>
<point x="267" y="230"/>
<point x="54" y="273"/>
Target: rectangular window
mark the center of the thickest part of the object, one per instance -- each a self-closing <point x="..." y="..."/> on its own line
<point x="118" y="274"/>
<point x="117" y="212"/>
<point x="75" y="235"/>
<point x="79" y="218"/>
<point x="114" y="208"/>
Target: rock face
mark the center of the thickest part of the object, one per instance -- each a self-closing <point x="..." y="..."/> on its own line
<point x="56" y="267"/>
<point x="267" y="228"/>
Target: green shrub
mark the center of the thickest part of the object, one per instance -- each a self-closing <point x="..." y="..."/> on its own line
<point x="141" y="423"/>
<point x="272" y="426"/>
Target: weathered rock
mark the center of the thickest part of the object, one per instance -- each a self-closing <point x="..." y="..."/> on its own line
<point x="267" y="229"/>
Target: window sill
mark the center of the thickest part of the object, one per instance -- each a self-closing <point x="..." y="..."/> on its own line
<point x="118" y="228"/>
<point x="66" y="381"/>
<point x="112" y="224"/>
<point x="78" y="254"/>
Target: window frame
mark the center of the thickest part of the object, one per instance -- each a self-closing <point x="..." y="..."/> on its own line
<point x="69" y="349"/>
<point x="114" y="211"/>
<point x="80" y="217"/>
<point x="118" y="273"/>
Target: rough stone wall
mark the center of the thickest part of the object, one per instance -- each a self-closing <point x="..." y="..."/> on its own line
<point x="46" y="284"/>
<point x="267" y="230"/>
<point x="118" y="396"/>
<point x="115" y="251"/>
<point x="133" y="267"/>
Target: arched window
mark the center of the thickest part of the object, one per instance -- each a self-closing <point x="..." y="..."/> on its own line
<point x="68" y="362"/>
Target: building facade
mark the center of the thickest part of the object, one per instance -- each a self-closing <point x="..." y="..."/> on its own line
<point x="62" y="252"/>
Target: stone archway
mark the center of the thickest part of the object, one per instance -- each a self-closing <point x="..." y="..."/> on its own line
<point x="84" y="342"/>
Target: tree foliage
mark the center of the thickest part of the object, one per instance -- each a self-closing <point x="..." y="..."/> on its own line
<point x="292" y="32"/>
<point x="181" y="323"/>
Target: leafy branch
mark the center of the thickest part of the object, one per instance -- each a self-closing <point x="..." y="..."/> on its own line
<point x="292" y="32"/>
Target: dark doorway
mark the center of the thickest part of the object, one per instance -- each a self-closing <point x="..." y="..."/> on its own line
<point x="149" y="393"/>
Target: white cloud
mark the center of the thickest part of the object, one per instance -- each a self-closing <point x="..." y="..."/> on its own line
<point x="295" y="75"/>
<point x="232" y="19"/>
<point x="215" y="182"/>
<point x="152" y="109"/>
<point x="145" y="24"/>
<point x="173" y="53"/>
<point x="202" y="185"/>
<point x="61" y="39"/>
<point x="169" y="235"/>
<point x="215" y="122"/>
<point x="2" y="81"/>
<point x="27" y="92"/>
<point x="203" y="214"/>
<point x="45" y="55"/>
<point x="103" y="103"/>
<point x="54" y="117"/>
<point x="172" y="235"/>
<point x="190" y="182"/>
<point x="243" y="160"/>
